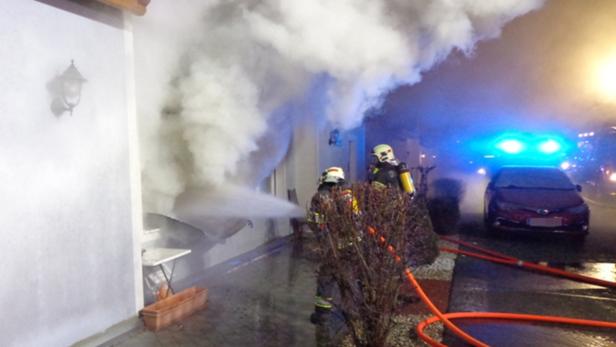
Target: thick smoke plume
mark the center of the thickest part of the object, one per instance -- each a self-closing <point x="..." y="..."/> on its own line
<point x="214" y="76"/>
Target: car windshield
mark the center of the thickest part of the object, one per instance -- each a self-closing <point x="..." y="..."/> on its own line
<point x="533" y="178"/>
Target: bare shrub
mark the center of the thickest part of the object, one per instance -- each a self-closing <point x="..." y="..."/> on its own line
<point x="368" y="277"/>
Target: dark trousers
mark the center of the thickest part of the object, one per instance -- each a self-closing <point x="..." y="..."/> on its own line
<point x="325" y="287"/>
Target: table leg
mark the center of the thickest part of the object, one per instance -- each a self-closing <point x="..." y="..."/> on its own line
<point x="168" y="278"/>
<point x="171" y="274"/>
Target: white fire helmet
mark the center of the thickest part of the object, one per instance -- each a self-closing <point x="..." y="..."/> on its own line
<point x="333" y="174"/>
<point x="383" y="153"/>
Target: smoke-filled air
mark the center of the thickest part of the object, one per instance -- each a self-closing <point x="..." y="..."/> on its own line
<point x="226" y="83"/>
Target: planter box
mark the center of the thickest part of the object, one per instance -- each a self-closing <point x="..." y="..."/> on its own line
<point x="174" y="308"/>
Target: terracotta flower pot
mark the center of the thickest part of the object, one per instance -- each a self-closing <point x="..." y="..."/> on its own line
<point x="174" y="308"/>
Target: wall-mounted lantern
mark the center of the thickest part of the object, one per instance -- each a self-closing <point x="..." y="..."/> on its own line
<point x="68" y="90"/>
<point x="72" y="81"/>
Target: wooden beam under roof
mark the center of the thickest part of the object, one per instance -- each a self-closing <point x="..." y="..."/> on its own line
<point x="136" y="7"/>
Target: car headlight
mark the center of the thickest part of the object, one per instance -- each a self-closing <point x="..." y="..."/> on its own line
<point x="612" y="177"/>
<point x="578" y="209"/>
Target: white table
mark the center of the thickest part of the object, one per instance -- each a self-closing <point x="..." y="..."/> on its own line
<point x="153" y="257"/>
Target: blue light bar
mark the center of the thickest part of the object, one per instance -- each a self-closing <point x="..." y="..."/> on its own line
<point x="549" y="147"/>
<point x="510" y="146"/>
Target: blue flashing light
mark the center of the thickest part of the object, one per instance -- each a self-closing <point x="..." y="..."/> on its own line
<point x="520" y="148"/>
<point x="549" y="146"/>
<point x="510" y="146"/>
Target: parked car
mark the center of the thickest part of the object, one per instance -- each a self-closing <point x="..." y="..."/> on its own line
<point x="536" y="199"/>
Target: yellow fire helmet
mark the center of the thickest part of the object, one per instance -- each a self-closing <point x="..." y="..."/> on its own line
<point x="383" y="153"/>
<point x="333" y="174"/>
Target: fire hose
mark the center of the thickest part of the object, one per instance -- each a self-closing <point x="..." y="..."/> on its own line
<point x="445" y="318"/>
<point x="507" y="260"/>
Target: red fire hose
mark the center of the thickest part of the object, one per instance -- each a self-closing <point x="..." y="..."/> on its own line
<point x="507" y="260"/>
<point x="507" y="316"/>
<point x="415" y="285"/>
<point x="445" y="318"/>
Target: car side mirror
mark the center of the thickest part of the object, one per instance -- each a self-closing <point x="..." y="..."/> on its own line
<point x="578" y="188"/>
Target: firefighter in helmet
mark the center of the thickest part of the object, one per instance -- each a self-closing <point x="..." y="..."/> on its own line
<point x="330" y="179"/>
<point x="387" y="171"/>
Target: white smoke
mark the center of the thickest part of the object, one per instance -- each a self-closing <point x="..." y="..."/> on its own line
<point x="231" y="202"/>
<point x="212" y="73"/>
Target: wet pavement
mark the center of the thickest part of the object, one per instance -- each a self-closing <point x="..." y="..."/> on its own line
<point x="265" y="302"/>
<point x="484" y="286"/>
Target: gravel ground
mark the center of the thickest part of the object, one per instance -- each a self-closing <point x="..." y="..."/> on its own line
<point x="442" y="268"/>
<point x="403" y="333"/>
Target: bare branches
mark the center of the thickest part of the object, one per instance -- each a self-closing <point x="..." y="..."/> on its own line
<point x="368" y="277"/>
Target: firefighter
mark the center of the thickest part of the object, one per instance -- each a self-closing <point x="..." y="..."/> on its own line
<point x="331" y="178"/>
<point x="388" y="171"/>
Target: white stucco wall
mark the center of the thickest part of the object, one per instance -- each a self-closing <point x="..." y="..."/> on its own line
<point x="68" y="268"/>
<point x="311" y="154"/>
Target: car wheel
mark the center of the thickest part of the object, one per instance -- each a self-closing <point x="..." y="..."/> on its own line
<point x="486" y="219"/>
<point x="488" y="224"/>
